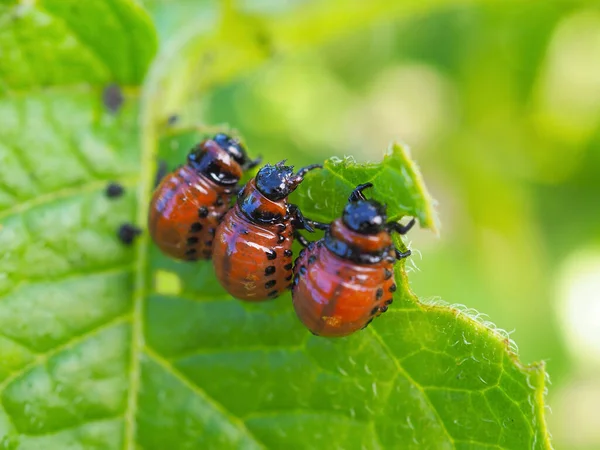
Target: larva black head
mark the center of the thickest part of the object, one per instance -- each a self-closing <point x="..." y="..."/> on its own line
<point x="218" y="159"/>
<point x="278" y="181"/>
<point x="233" y="147"/>
<point x="363" y="215"/>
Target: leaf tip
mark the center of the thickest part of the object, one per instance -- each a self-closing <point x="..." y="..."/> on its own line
<point x="428" y="217"/>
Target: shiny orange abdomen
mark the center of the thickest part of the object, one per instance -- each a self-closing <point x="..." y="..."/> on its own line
<point x="334" y="296"/>
<point x="185" y="211"/>
<point x="253" y="261"/>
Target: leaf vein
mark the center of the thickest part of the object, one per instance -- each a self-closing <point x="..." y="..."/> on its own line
<point x="63" y="193"/>
<point x="167" y="366"/>
<point x="44" y="357"/>
<point x="411" y="380"/>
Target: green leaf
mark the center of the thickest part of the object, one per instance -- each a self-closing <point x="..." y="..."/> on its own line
<point x="104" y="346"/>
<point x="396" y="183"/>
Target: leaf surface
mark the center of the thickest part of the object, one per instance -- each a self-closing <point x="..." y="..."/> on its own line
<point x="105" y="346"/>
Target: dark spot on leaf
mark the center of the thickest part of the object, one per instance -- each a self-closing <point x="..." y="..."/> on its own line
<point x="113" y="98"/>
<point x="128" y="232"/>
<point x="114" y="190"/>
<point x="173" y="119"/>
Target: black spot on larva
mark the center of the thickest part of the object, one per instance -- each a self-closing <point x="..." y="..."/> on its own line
<point x="296" y="279"/>
<point x="208" y="243"/>
<point x="383" y="308"/>
<point x="379" y="293"/>
<point x="288" y="278"/>
<point x="303" y="270"/>
<point x="128" y="232"/>
<point x="280" y="238"/>
<point x="271" y="255"/>
<point x="374" y="310"/>
<point x="114" y="190"/>
<point x="219" y="201"/>
<point x="368" y="323"/>
<point x="206" y="253"/>
<point x="196" y="227"/>
<point x="288" y="253"/>
<point x="113" y="98"/>
<point x="202" y="212"/>
<point x="312" y="259"/>
<point x="288" y="266"/>
<point x="282" y="227"/>
<point x="389" y="302"/>
<point x="269" y="284"/>
<point x="270" y="270"/>
<point x="393" y="288"/>
<point x="273" y="294"/>
<point x="315" y="334"/>
<point x="190" y="251"/>
<point x="192" y="240"/>
<point x="212" y="231"/>
<point x="388" y="274"/>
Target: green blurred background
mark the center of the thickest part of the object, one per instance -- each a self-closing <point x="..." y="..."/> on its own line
<point x="500" y="104"/>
